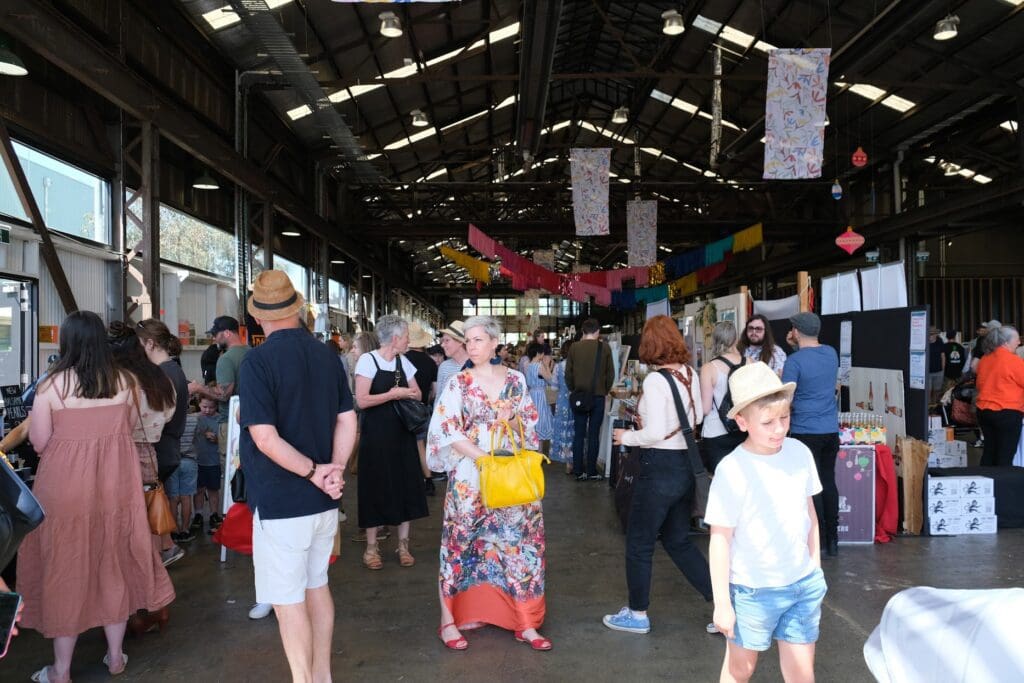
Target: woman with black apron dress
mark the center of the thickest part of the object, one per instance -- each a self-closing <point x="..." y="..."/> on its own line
<point x="390" y="480"/>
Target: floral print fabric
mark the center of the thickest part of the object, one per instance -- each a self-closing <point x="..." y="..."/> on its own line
<point x="500" y="549"/>
<point x="565" y="424"/>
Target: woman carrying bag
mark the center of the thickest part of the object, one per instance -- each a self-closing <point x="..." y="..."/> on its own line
<point x="665" y="488"/>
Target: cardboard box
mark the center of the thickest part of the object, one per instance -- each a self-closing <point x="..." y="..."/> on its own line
<point x="943" y="487"/>
<point x="978" y="506"/>
<point x="940" y="435"/>
<point x="941" y="461"/>
<point x="979" y="524"/>
<point x="977" y="487"/>
<point x="944" y="507"/>
<point x="949" y="525"/>
<point x="934" y="422"/>
<point x="950" y="448"/>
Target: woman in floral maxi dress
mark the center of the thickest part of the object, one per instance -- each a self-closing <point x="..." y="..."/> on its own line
<point x="492" y="560"/>
<point x="565" y="425"/>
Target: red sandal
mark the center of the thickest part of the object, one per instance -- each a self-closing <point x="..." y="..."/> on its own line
<point x="541" y="644"/>
<point x="459" y="643"/>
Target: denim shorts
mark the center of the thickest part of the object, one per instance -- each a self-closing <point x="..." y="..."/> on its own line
<point x="789" y="613"/>
<point x="183" y="480"/>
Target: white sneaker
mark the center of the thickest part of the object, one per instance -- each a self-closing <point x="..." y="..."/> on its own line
<point x="171" y="555"/>
<point x="260" y="610"/>
<point x="342" y="516"/>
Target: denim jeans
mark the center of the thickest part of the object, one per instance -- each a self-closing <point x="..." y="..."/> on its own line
<point x="587" y="428"/>
<point x="662" y="497"/>
<point x="825" y="448"/>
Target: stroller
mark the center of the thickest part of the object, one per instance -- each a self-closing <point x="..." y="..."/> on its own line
<point x="957" y="405"/>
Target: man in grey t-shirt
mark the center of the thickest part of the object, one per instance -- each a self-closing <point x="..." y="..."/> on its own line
<point x="225" y="334"/>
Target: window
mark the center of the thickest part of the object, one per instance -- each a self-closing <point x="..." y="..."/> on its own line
<point x="336" y="295"/>
<point x="299" y="275"/>
<point x="190" y="242"/>
<point x="468" y="307"/>
<point x="70" y="200"/>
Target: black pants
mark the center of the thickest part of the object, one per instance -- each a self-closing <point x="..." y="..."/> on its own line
<point x="825" y="448"/>
<point x="662" y="498"/>
<point x="587" y="433"/>
<point x="1002" y="434"/>
<point x="715" y="448"/>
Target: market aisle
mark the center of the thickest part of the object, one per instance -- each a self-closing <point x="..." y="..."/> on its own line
<point x="387" y="620"/>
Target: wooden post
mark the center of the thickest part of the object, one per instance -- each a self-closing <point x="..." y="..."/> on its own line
<point x="803" y="288"/>
<point x="743" y="314"/>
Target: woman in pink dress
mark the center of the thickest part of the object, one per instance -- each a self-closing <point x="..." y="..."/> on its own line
<point x="92" y="562"/>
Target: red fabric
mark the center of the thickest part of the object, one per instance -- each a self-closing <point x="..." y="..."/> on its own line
<point x="235" y="533"/>
<point x="887" y="510"/>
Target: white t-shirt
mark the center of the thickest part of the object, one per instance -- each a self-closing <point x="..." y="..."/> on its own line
<point x="763" y="498"/>
<point x="366" y="368"/>
<point x="657" y="407"/>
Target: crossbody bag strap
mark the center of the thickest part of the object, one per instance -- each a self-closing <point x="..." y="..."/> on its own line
<point x="597" y="363"/>
<point x="684" y="422"/>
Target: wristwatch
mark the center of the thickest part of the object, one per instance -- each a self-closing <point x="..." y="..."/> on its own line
<point x="311" y="472"/>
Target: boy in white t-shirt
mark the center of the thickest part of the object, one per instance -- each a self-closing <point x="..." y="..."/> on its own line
<point x="764" y="554"/>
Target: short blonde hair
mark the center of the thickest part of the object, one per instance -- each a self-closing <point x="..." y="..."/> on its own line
<point x="778" y="400"/>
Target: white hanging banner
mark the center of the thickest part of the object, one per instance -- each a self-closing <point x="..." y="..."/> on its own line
<point x="590" y="169"/>
<point x="642" y="232"/>
<point x="778" y="309"/>
<point x="884" y="286"/>
<point x="840" y="293"/>
<point x="795" y="113"/>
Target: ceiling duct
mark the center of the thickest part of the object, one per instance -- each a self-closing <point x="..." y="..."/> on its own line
<point x="278" y="46"/>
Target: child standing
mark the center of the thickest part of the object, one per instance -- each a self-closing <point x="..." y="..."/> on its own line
<point x="765" y="554"/>
<point x="208" y="459"/>
<point x="182" y="485"/>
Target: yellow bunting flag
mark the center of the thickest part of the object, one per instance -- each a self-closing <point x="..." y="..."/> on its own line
<point x="477" y="269"/>
<point x="747" y="239"/>
<point x="682" y="286"/>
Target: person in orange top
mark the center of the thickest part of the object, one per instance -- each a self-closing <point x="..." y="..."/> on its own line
<point x="1000" y="395"/>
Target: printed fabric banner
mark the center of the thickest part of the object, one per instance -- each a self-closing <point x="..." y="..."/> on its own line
<point x="642" y="232"/>
<point x="795" y="113"/>
<point x="590" y="168"/>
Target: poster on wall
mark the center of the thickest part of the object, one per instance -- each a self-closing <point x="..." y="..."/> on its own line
<point x="855" y="480"/>
<point x="879" y="392"/>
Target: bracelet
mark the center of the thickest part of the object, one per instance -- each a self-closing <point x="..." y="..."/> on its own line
<point x="311" y="473"/>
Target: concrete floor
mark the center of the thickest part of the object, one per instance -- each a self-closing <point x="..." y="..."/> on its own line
<point x="387" y="620"/>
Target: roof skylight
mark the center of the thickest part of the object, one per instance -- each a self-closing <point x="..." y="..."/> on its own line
<point x="730" y="34"/>
<point x="689" y="108"/>
<point x="222" y="17"/>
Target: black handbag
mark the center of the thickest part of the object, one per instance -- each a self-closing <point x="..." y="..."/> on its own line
<point x="20" y="511"/>
<point x="238" y="486"/>
<point x="414" y="414"/>
<point x="701" y="478"/>
<point x="582" y="400"/>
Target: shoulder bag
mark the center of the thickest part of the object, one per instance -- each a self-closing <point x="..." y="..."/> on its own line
<point x="158" y="508"/>
<point x="20" y="511"/>
<point x="701" y="478"/>
<point x="506" y="481"/>
<point x="582" y="400"/>
<point x="725" y="406"/>
<point x="414" y="414"/>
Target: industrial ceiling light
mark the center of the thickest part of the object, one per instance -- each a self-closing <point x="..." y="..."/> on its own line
<point x="419" y="119"/>
<point x="673" y="23"/>
<point x="390" y="27"/>
<point x="291" y="233"/>
<point x="946" y="28"/>
<point x="10" y="63"/>
<point x="206" y="182"/>
<point x="621" y="115"/>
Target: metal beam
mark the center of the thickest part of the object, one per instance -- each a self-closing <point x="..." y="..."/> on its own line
<point x="43" y="29"/>
<point x="540" y="33"/>
<point x="150" y="195"/>
<point x="28" y="203"/>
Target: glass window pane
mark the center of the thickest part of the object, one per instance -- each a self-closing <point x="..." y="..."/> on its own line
<point x="511" y="306"/>
<point x="483" y="307"/>
<point x="299" y="275"/>
<point x="191" y="242"/>
<point x="70" y="200"/>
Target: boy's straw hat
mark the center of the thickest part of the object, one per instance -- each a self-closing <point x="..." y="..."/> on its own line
<point x="754" y="381"/>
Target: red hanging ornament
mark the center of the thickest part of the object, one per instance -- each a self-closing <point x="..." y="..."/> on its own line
<point x="859" y="157"/>
<point x="850" y="241"/>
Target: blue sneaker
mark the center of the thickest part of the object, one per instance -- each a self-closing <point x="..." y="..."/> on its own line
<point x="626" y="621"/>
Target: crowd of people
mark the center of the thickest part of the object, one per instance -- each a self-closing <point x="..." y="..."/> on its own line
<point x="116" y="423"/>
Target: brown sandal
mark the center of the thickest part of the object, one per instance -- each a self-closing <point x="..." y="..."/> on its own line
<point x="371" y="558"/>
<point x="405" y="558"/>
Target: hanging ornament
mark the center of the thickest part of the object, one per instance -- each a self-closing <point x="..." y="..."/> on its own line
<point x="859" y="157"/>
<point x="850" y="241"/>
<point x="837" y="190"/>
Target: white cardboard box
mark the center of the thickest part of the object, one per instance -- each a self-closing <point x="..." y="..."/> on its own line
<point x="948" y="525"/>
<point x="952" y="448"/>
<point x="934" y="422"/>
<point x="943" y="487"/>
<point x="944" y="461"/>
<point x="939" y="435"/>
<point x="979" y="524"/>
<point x="980" y="487"/>
<point x="944" y="507"/>
<point x="978" y="506"/>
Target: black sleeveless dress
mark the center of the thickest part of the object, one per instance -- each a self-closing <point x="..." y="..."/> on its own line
<point x="391" y="489"/>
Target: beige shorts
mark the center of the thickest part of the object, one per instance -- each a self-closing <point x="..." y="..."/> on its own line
<point x="222" y="440"/>
<point x="291" y="556"/>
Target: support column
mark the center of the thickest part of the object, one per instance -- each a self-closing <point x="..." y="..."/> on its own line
<point x="268" y="236"/>
<point x="28" y="203"/>
<point x="142" y="208"/>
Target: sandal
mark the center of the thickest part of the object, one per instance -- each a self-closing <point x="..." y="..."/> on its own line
<point x="540" y="643"/>
<point x="124" y="664"/>
<point x="371" y="558"/>
<point x="459" y="643"/>
<point x="43" y="676"/>
<point x="405" y="558"/>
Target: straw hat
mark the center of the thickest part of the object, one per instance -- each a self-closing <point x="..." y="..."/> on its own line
<point x="274" y="297"/>
<point x="754" y="381"/>
<point x="418" y="337"/>
<point x="456" y="330"/>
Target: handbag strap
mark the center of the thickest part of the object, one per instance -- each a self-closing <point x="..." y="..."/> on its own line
<point x="684" y="423"/>
<point x="503" y="428"/>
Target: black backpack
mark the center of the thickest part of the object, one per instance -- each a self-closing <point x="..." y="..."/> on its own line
<point x="723" y="409"/>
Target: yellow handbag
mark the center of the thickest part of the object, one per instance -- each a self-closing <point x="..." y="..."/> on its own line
<point x="517" y="479"/>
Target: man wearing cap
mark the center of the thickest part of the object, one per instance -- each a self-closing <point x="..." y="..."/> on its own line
<point x="453" y="341"/>
<point x="426" y="378"/>
<point x="298" y="430"/>
<point x="814" y="417"/>
<point x="936" y="364"/>
<point x="225" y="335"/>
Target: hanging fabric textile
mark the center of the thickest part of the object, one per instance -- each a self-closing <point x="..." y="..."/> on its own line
<point x="795" y="113"/>
<point x="747" y="239"/>
<point x="642" y="232"/>
<point x="477" y="269"/>
<point x="716" y="110"/>
<point x="590" y="170"/>
<point x="716" y="251"/>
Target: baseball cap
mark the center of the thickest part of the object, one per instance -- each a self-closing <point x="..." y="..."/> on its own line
<point x="223" y="323"/>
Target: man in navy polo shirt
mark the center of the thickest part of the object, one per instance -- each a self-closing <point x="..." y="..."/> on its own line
<point x="298" y="430"/>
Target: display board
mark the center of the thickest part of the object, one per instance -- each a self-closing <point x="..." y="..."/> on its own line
<point x="855" y="479"/>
